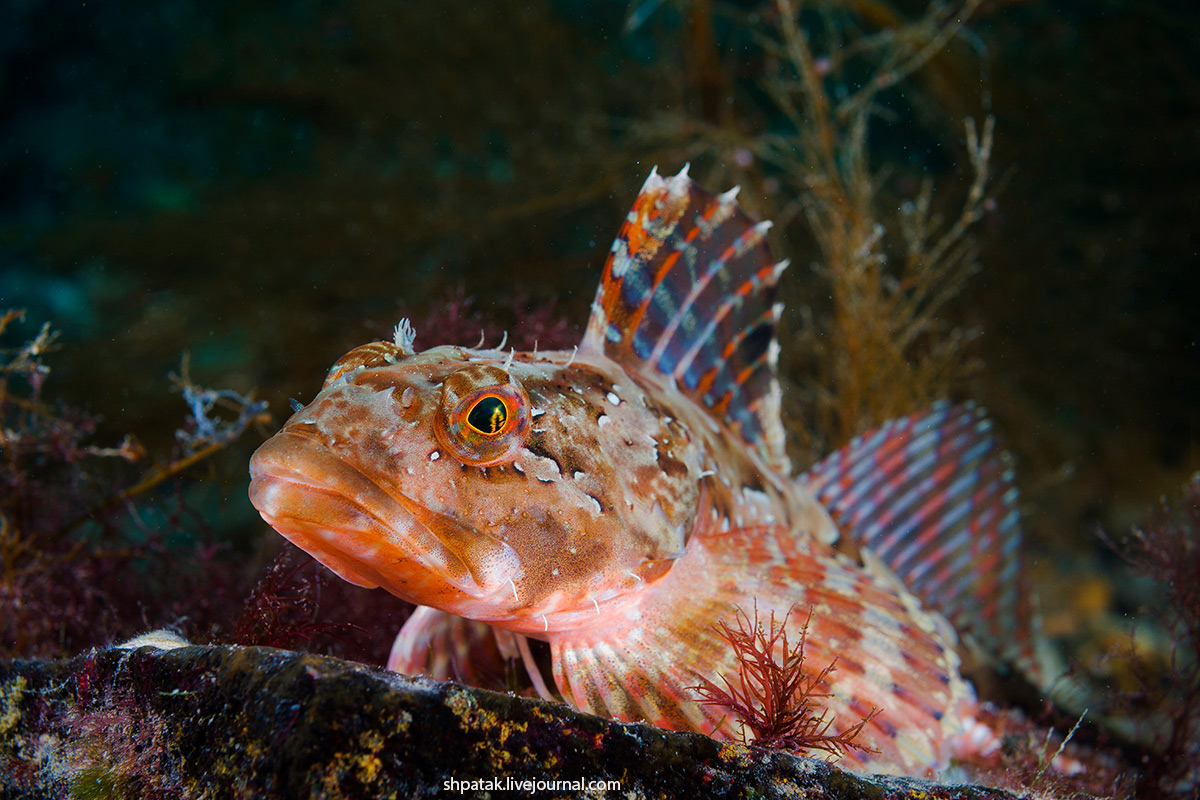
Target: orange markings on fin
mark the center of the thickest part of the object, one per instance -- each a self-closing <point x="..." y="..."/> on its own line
<point x="687" y="278"/>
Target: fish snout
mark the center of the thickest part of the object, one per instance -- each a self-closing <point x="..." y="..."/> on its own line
<point x="368" y="532"/>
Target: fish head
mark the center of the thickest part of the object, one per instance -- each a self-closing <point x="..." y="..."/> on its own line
<point x="511" y="491"/>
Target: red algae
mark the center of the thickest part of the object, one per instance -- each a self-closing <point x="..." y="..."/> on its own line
<point x="773" y="694"/>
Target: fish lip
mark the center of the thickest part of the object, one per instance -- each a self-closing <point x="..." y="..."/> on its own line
<point x="377" y="530"/>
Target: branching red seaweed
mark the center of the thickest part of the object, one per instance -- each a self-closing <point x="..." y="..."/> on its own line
<point x="283" y="606"/>
<point x="773" y="695"/>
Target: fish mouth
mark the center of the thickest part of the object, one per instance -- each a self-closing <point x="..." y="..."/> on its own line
<point x="371" y="534"/>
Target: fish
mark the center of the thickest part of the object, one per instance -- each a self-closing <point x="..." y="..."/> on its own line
<point x="617" y="500"/>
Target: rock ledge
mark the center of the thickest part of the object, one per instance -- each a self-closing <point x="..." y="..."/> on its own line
<point x="258" y="722"/>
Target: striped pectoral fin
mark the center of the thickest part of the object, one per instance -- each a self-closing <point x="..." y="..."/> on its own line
<point x="447" y="647"/>
<point x="619" y="671"/>
<point x="932" y="496"/>
<point x="890" y="656"/>
<point x="688" y="295"/>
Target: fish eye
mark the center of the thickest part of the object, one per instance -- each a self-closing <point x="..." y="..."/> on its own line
<point x="488" y="416"/>
<point x="484" y="417"/>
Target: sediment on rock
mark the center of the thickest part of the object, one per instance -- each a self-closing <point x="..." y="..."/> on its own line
<point x="221" y="721"/>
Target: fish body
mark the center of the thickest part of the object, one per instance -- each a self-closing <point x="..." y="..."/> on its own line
<point x="617" y="500"/>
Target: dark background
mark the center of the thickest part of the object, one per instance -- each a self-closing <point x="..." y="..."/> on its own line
<point x="266" y="185"/>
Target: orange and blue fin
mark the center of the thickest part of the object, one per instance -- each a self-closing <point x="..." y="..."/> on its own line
<point x="932" y="497"/>
<point x="688" y="296"/>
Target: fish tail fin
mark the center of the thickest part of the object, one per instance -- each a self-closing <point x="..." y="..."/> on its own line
<point x="932" y="497"/>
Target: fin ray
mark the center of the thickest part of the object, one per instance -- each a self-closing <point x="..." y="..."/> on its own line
<point x="890" y="654"/>
<point x="932" y="497"/>
<point x="447" y="647"/>
<point x="687" y="297"/>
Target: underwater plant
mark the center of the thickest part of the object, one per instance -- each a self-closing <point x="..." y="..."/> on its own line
<point x="873" y="341"/>
<point x="1165" y="709"/>
<point x="773" y="695"/>
<point x="78" y="519"/>
<point x="283" y="606"/>
<point x="456" y="317"/>
<point x="885" y="350"/>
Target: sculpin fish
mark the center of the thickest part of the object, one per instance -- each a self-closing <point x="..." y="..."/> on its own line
<point x="618" y="499"/>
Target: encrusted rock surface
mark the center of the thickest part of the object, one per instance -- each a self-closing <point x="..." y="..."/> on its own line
<point x="215" y="722"/>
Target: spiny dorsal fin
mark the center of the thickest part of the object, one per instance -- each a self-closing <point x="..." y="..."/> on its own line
<point x="932" y="496"/>
<point x="688" y="292"/>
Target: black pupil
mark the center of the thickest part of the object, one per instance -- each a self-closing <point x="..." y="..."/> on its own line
<point x="488" y="415"/>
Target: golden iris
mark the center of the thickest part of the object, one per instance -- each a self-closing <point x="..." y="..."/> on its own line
<point x="488" y="415"/>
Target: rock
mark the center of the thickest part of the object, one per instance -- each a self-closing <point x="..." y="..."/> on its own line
<point x="257" y="722"/>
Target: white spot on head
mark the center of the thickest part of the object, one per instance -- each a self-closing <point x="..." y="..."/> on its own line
<point x="536" y="412"/>
<point x="612" y="398"/>
<point x="554" y="571"/>
<point x="435" y="455"/>
<point x="602" y="420"/>
<point x="577" y="475"/>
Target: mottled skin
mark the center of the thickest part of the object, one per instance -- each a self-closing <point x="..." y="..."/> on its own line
<point x="599" y="499"/>
<point x="620" y="529"/>
<point x="619" y="499"/>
